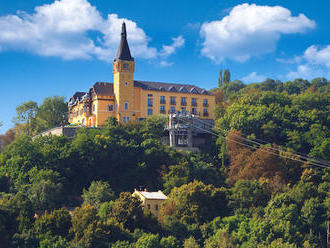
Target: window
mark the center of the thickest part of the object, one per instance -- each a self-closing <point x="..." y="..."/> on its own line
<point x="193" y="102"/>
<point x="194" y="91"/>
<point x="126" y="105"/>
<point x="126" y="66"/>
<point x="149" y="102"/>
<point x="162" y="100"/>
<point x="172" y="109"/>
<point x="109" y="107"/>
<point x="172" y="100"/>
<point x="162" y="109"/>
<point x="172" y="88"/>
<point x="194" y="111"/>
<point x="156" y="207"/>
<point x="149" y="111"/>
<point x="125" y="119"/>
<point x="205" y="103"/>
<point x="93" y="108"/>
<point x="149" y="95"/>
<point x="148" y="206"/>
<point x="183" y="101"/>
<point x="183" y="89"/>
<point x="126" y="83"/>
<point x="205" y="112"/>
<point x="183" y="109"/>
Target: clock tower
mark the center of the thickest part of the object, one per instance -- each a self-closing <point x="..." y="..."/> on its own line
<point x="123" y="71"/>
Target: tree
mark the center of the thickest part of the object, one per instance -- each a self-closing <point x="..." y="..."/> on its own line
<point x="220" y="79"/>
<point x="127" y="211"/>
<point x="246" y="195"/>
<point x="97" y="193"/>
<point x="190" y="243"/>
<point x="26" y="113"/>
<point x="195" y="203"/>
<point x="226" y="76"/>
<point x="148" y="240"/>
<point x="55" y="223"/>
<point x="52" y="112"/>
<point x="170" y="242"/>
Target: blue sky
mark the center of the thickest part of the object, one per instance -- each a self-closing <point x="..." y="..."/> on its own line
<point x="52" y="47"/>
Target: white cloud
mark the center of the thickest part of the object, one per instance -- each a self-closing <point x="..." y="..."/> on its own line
<point x="315" y="62"/>
<point x="71" y="29"/>
<point x="316" y="55"/>
<point x="253" y="77"/>
<point x="169" y="50"/>
<point x="249" y="30"/>
<point x="164" y="63"/>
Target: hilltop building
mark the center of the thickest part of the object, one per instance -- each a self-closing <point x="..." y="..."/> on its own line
<point x="151" y="201"/>
<point x="128" y="99"/>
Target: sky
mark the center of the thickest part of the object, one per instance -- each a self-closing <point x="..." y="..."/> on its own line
<point x="50" y="48"/>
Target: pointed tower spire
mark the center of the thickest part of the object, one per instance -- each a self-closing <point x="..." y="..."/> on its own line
<point x="123" y="52"/>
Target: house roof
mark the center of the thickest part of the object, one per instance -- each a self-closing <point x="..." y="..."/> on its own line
<point x="159" y="195"/>
<point x="103" y="88"/>
<point x="182" y="88"/>
<point x="123" y="52"/>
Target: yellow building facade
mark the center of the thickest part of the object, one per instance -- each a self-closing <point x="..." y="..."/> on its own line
<point x="151" y="201"/>
<point x="128" y="99"/>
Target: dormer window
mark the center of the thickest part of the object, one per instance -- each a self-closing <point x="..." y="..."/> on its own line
<point x="173" y="89"/>
<point x="194" y="91"/>
<point x="183" y="89"/>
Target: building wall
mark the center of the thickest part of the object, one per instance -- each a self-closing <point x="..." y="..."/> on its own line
<point x="101" y="111"/>
<point x="138" y="106"/>
<point x="124" y="89"/>
<point x="178" y="107"/>
<point x="152" y="205"/>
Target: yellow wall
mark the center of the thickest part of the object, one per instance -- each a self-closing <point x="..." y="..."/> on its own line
<point x="124" y="89"/>
<point x="156" y="102"/>
<point x="150" y="204"/>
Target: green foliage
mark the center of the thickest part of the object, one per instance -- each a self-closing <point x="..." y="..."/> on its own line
<point x="279" y="203"/>
<point x="196" y="203"/>
<point x="97" y="193"/>
<point x="55" y="223"/>
<point x="170" y="242"/>
<point x="190" y="243"/>
<point x="52" y="113"/>
<point x="148" y="241"/>
<point x="247" y="195"/>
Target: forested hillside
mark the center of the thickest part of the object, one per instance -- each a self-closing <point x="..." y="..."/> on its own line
<point x="252" y="186"/>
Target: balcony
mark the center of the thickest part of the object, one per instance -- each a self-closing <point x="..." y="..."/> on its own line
<point x="194" y="104"/>
<point x="205" y="114"/>
<point x="172" y="103"/>
<point x="183" y="103"/>
<point x="163" y="111"/>
<point x="205" y="104"/>
<point x="162" y="102"/>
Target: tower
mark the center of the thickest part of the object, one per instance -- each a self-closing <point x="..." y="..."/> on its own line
<point x="123" y="71"/>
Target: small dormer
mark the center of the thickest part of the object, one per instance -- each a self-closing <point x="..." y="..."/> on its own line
<point x="194" y="90"/>
<point x="172" y="89"/>
<point x="183" y="90"/>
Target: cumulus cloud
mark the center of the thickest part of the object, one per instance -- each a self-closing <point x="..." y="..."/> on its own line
<point x="253" y="77"/>
<point x="168" y="50"/>
<point x="249" y="30"/>
<point x="71" y="29"/>
<point x="315" y="62"/>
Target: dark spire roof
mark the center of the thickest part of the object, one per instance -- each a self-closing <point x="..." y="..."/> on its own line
<point x="123" y="52"/>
